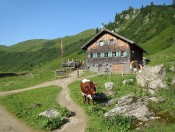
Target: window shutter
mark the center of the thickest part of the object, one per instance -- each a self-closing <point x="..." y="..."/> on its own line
<point x="126" y="54"/>
<point x="89" y="55"/>
<point x="109" y="41"/>
<point x="115" y="40"/>
<point x="94" y="55"/>
<point x="98" y="43"/>
<point x="102" y="55"/>
<point x="109" y="54"/>
<point x="118" y="54"/>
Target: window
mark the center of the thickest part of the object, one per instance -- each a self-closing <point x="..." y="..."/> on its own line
<point x="102" y="43"/>
<point x="113" y="54"/>
<point x="91" y="55"/>
<point x="111" y="42"/>
<point x="123" y="53"/>
<point x="106" y="54"/>
<point x="94" y="55"/>
<point x="98" y="55"/>
<point x="133" y="54"/>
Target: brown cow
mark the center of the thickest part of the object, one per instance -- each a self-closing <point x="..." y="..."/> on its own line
<point x="88" y="89"/>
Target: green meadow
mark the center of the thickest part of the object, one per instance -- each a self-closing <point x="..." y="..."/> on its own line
<point x="28" y="105"/>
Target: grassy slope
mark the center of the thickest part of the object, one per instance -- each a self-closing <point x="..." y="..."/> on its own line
<point x="161" y="48"/>
<point x="34" y="54"/>
<point x="148" y="23"/>
<point x="20" y="104"/>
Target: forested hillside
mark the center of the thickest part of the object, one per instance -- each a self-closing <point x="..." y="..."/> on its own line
<point x="152" y="27"/>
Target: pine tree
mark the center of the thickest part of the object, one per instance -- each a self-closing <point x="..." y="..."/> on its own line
<point x="97" y="30"/>
<point x="152" y="3"/>
<point x="142" y="8"/>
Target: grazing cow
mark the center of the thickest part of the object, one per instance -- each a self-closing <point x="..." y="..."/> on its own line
<point x="88" y="89"/>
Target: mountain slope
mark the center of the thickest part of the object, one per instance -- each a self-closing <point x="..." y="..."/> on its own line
<point x="32" y="54"/>
<point x="141" y="25"/>
<point x="152" y="27"/>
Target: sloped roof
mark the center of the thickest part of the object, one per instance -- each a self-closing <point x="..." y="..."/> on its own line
<point x="85" y="46"/>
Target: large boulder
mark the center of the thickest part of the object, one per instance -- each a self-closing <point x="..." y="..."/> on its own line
<point x="152" y="77"/>
<point x="132" y="106"/>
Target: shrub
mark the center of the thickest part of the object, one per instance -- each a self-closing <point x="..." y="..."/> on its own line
<point x="122" y="123"/>
<point x="51" y="123"/>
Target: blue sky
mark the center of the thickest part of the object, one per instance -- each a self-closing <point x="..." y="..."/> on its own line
<point x="22" y="20"/>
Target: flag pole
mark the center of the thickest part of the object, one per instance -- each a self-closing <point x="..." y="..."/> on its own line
<point x="62" y="53"/>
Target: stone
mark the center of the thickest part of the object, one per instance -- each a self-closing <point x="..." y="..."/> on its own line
<point x="50" y="113"/>
<point x="156" y="99"/>
<point x="109" y="85"/>
<point x="151" y="91"/>
<point x="173" y="82"/>
<point x="152" y="77"/>
<point x="35" y="105"/>
<point x="110" y="92"/>
<point x="127" y="81"/>
<point x="172" y="69"/>
<point x="132" y="106"/>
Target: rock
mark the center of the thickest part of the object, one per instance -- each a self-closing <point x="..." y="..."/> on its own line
<point x="152" y="77"/>
<point x="50" y="113"/>
<point x="35" y="105"/>
<point x="173" y="82"/>
<point x="110" y="93"/>
<point x="109" y="85"/>
<point x="128" y="81"/>
<point x="172" y="69"/>
<point x="156" y="99"/>
<point x="151" y="91"/>
<point x="132" y="106"/>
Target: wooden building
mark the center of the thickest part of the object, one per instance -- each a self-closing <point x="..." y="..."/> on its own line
<point x="110" y="51"/>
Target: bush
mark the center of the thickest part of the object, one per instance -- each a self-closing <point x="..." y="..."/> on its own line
<point x="51" y="123"/>
<point x="122" y="123"/>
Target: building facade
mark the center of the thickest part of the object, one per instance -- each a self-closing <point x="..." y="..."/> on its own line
<point x="108" y="51"/>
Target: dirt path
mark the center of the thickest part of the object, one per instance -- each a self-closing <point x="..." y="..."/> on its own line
<point x="77" y="123"/>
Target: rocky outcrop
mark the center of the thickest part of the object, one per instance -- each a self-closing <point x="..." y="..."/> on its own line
<point x="132" y="106"/>
<point x="152" y="77"/>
